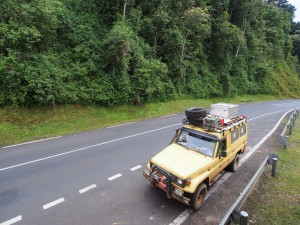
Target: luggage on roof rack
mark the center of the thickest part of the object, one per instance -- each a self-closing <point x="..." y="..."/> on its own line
<point x="222" y="116"/>
<point x="211" y="123"/>
<point x="217" y="126"/>
<point x="224" y="110"/>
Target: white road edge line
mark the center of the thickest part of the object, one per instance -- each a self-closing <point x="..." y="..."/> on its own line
<point x="114" y="177"/>
<point x="87" y="188"/>
<point x="30" y="142"/>
<point x="168" y="115"/>
<point x="12" y="221"/>
<point x="51" y="204"/>
<point x="186" y="213"/>
<point x="266" y="115"/>
<point x="85" y="148"/>
<point x="120" y="125"/>
<point x="136" y="168"/>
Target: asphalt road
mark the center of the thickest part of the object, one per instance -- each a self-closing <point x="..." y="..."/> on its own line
<point x="96" y="177"/>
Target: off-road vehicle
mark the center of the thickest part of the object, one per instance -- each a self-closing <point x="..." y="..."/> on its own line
<point x="205" y="146"/>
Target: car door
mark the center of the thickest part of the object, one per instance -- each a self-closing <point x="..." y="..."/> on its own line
<point x="218" y="159"/>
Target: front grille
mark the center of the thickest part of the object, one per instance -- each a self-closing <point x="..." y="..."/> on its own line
<point x="165" y="173"/>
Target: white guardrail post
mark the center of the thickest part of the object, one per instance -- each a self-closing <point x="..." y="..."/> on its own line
<point x="291" y="129"/>
<point x="274" y="167"/>
<point x="244" y="218"/>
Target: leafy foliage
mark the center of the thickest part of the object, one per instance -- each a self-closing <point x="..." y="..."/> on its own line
<point x="134" y="51"/>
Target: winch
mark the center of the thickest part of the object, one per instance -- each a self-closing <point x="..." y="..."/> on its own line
<point x="161" y="180"/>
<point x="163" y="183"/>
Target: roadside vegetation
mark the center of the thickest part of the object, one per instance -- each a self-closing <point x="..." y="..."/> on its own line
<point x="19" y="124"/>
<point x="277" y="200"/>
<point x="108" y="53"/>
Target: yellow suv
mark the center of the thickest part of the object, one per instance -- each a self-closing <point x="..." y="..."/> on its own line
<point x="206" y="145"/>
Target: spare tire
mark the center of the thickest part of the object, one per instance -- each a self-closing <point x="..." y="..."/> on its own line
<point x="195" y="121"/>
<point x="195" y="112"/>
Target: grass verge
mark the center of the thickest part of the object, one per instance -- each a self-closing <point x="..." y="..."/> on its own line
<point x="277" y="200"/>
<point x="18" y="124"/>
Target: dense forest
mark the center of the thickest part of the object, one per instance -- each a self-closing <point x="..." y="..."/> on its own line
<point x="133" y="51"/>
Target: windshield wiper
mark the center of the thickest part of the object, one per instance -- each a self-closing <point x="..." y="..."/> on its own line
<point x="193" y="148"/>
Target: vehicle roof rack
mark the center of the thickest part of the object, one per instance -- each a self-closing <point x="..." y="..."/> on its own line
<point x="229" y="124"/>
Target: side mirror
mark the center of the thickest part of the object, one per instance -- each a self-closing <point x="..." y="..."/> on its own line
<point x="224" y="154"/>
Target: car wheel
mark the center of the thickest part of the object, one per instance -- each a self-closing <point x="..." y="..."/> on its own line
<point x="232" y="167"/>
<point x="199" y="197"/>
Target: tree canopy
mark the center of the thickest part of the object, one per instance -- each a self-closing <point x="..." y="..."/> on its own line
<point x="134" y="51"/>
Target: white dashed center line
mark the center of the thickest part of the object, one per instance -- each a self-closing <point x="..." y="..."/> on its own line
<point x="51" y="204"/>
<point x="12" y="221"/>
<point x="114" y="177"/>
<point x="87" y="188"/>
<point x="136" y="168"/>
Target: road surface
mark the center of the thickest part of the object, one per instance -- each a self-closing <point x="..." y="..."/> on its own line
<point x="96" y="177"/>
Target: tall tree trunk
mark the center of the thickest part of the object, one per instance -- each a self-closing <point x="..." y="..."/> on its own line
<point x="124" y="8"/>
<point x="239" y="46"/>
<point x="182" y="50"/>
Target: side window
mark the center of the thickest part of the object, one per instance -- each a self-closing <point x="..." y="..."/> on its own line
<point x="234" y="135"/>
<point x="242" y="130"/>
<point x="222" y="147"/>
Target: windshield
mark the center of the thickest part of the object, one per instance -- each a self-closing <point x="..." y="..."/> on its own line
<point x="197" y="143"/>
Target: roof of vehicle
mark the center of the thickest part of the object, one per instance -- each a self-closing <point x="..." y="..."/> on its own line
<point x="220" y="131"/>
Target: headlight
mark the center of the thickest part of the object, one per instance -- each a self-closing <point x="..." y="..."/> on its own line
<point x="179" y="181"/>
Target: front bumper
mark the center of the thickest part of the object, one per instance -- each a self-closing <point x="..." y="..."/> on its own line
<point x="157" y="180"/>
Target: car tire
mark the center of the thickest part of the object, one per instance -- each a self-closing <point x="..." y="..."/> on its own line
<point x="198" y="197"/>
<point x="232" y="167"/>
<point x="195" y="113"/>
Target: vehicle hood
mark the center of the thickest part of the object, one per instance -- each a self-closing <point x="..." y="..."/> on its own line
<point x="181" y="161"/>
